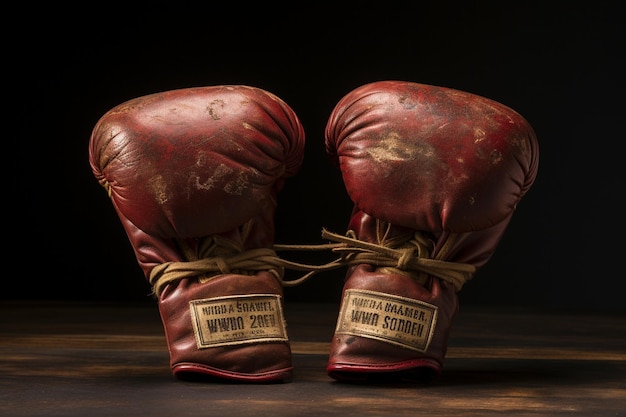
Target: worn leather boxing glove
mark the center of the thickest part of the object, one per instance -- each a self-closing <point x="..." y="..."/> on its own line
<point x="193" y="175"/>
<point x="435" y="175"/>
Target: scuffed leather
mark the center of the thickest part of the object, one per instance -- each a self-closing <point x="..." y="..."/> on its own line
<point x="437" y="161"/>
<point x="431" y="158"/>
<point x="182" y="166"/>
<point x="256" y="362"/>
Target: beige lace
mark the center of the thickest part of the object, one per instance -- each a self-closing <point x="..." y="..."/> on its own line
<point x="412" y="258"/>
<point x="219" y="255"/>
<point x="224" y="256"/>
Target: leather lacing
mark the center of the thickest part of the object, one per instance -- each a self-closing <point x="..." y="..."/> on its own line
<point x="239" y="262"/>
<point x="219" y="255"/>
<point x="412" y="258"/>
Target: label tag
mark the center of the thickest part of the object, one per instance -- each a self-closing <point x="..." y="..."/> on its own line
<point x="238" y="319"/>
<point x="397" y="320"/>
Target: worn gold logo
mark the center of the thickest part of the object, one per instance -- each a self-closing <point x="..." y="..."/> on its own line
<point x="235" y="320"/>
<point x="393" y="319"/>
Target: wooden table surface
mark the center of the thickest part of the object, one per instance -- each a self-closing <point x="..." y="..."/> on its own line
<point x="105" y="359"/>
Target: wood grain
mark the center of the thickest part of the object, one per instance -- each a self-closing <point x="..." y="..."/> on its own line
<point x="70" y="359"/>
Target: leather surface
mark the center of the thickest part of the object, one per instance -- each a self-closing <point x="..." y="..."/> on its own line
<point x="447" y="165"/>
<point x="187" y="165"/>
<point x="430" y="157"/>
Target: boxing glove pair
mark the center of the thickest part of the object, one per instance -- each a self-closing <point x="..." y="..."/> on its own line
<point x="193" y="174"/>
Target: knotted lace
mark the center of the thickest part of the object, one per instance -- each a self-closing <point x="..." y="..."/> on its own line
<point x="219" y="255"/>
<point x="411" y="258"/>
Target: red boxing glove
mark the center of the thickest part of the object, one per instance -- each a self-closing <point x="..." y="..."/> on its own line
<point x="435" y="175"/>
<point x="193" y="175"/>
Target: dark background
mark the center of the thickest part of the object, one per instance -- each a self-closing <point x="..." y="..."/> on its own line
<point x="558" y="67"/>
